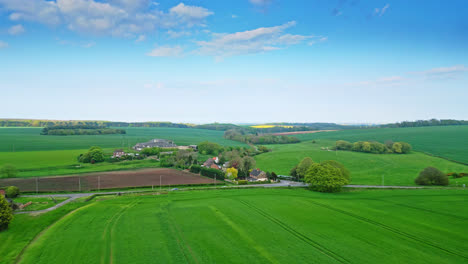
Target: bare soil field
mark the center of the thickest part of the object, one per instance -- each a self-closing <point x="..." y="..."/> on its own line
<point x="300" y="132"/>
<point x="108" y="180"/>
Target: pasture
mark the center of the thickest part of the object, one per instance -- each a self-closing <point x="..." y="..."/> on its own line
<point x="365" y="168"/>
<point x="449" y="142"/>
<point x="249" y="226"/>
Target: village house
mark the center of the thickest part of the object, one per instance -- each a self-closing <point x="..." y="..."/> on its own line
<point x="118" y="153"/>
<point x="155" y="143"/>
<point x="257" y="175"/>
<point x="212" y="163"/>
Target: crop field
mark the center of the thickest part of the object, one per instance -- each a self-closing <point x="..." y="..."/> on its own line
<point x="450" y="142"/>
<point x="365" y="168"/>
<point x="249" y="226"/>
<point x="108" y="180"/>
<point x="28" y="139"/>
<point x="35" y="155"/>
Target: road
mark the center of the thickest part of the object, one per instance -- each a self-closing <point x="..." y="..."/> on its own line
<point x="284" y="183"/>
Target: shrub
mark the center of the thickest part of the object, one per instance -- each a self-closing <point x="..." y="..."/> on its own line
<point x="456" y="175"/>
<point x="212" y="173"/>
<point x="343" y="145"/>
<point x="462" y="174"/>
<point x="431" y="176"/>
<point x="12" y="192"/>
<point x="6" y="213"/>
<point x="242" y="182"/>
<point x="195" y="168"/>
<point x="325" y="178"/>
<point x="8" y="171"/>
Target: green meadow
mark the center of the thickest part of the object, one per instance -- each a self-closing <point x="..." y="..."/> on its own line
<point x="450" y="142"/>
<point x="365" y="168"/>
<point x="248" y="226"/>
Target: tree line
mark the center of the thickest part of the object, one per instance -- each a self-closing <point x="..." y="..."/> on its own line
<point x="374" y="147"/>
<point x="48" y="123"/>
<point x="244" y="136"/>
<point x="81" y="129"/>
<point x="424" y="123"/>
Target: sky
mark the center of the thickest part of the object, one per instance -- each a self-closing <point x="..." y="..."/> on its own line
<point x="242" y="61"/>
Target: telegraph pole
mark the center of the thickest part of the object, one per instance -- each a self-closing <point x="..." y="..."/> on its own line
<point x="79" y="183"/>
<point x="37" y="185"/>
<point x="99" y="183"/>
<point x="160" y="180"/>
<point x="383" y="180"/>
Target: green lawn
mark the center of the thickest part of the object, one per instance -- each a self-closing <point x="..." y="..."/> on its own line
<point x="365" y="168"/>
<point x="253" y="226"/>
<point x="450" y="142"/>
<point x="14" y="139"/>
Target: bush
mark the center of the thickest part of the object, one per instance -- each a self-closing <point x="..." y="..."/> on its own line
<point x="6" y="213"/>
<point x="242" y="182"/>
<point x="431" y="176"/>
<point x="325" y="178"/>
<point x="195" y="168"/>
<point x="12" y="192"/>
<point x="462" y="174"/>
<point x="456" y="175"/>
<point x="212" y="173"/>
<point x="8" y="171"/>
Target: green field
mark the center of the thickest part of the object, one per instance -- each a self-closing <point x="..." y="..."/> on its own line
<point x="14" y="139"/>
<point x="365" y="168"/>
<point x="36" y="155"/>
<point x="251" y="226"/>
<point x="450" y="142"/>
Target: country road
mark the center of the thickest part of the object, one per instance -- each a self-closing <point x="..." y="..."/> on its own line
<point x="74" y="196"/>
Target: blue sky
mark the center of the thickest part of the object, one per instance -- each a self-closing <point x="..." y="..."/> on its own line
<point x="345" y="61"/>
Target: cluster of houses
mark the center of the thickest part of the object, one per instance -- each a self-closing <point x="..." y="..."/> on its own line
<point x="255" y="174"/>
<point x="154" y="143"/>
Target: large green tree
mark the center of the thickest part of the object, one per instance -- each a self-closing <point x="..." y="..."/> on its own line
<point x="6" y="213"/>
<point x="303" y="166"/>
<point x="432" y="176"/>
<point x="325" y="178"/>
<point x="8" y="171"/>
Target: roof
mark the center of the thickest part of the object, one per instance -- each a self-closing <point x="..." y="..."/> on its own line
<point x="209" y="162"/>
<point x="255" y="172"/>
<point x="159" y="143"/>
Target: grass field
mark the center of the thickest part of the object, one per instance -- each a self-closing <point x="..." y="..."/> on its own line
<point x="450" y="142"/>
<point x="365" y="168"/>
<point x="36" y="155"/>
<point x="29" y="139"/>
<point x="250" y="226"/>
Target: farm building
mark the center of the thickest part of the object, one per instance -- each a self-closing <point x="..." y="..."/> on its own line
<point x="155" y="143"/>
<point x="118" y="153"/>
<point x="257" y="175"/>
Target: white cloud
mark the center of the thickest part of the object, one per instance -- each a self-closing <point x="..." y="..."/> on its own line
<point x="234" y="16"/>
<point x="140" y="38"/>
<point x="123" y="18"/>
<point x="190" y="15"/>
<point x="443" y="72"/>
<point x="3" y="45"/>
<point x="166" y="51"/>
<point x="252" y="41"/>
<point x="16" y="30"/>
<point x="381" y="11"/>
<point x="260" y="2"/>
<point x="178" y="34"/>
